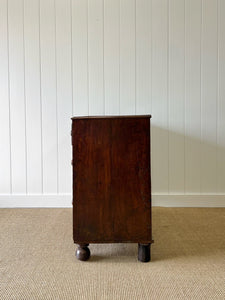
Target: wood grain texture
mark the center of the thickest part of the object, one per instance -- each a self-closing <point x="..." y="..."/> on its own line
<point x="111" y="180"/>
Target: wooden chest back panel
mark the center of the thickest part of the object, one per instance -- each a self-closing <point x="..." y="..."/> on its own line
<point x="111" y="180"/>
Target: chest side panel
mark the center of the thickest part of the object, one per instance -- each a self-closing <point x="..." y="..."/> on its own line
<point x="111" y="180"/>
<point x="131" y="193"/>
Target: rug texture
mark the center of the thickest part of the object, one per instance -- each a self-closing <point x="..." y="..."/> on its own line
<point x="37" y="258"/>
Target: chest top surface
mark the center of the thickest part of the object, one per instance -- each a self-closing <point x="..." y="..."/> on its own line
<point x="111" y="117"/>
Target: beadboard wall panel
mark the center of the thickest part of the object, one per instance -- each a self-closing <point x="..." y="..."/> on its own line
<point x="176" y="91"/>
<point x="143" y="57"/>
<point x="112" y="57"/>
<point x="64" y="92"/>
<point x="17" y="103"/>
<point x="5" y="131"/>
<point x="79" y="43"/>
<point x="33" y="96"/>
<point x="159" y="110"/>
<point x="49" y="96"/>
<point x="221" y="98"/>
<point x="95" y="57"/>
<point x="127" y="57"/>
<point x="209" y="54"/>
<point x="193" y="19"/>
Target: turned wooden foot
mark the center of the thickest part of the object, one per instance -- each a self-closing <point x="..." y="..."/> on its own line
<point x="83" y="252"/>
<point x="144" y="253"/>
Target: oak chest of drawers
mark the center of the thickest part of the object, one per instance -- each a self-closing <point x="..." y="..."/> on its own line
<point x="111" y="182"/>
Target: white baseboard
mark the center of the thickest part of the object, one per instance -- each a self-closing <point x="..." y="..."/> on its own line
<point x="189" y="200"/>
<point x="37" y="200"/>
<point x="65" y="200"/>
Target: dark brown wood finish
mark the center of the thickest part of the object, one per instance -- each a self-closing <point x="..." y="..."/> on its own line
<point x="111" y="180"/>
<point x="144" y="252"/>
<point x="83" y="252"/>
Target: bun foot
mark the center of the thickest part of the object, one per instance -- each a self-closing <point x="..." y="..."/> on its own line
<point x="144" y="254"/>
<point x="83" y="252"/>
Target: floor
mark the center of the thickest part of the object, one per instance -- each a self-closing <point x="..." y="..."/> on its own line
<point x="37" y="258"/>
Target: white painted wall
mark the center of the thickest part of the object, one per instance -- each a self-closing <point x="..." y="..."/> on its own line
<point x="62" y="58"/>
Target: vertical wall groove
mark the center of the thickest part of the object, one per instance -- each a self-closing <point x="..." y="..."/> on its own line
<point x="56" y="98"/>
<point x="217" y="100"/>
<point x="103" y="57"/>
<point x="135" y="56"/>
<point x="10" y="144"/>
<point x="185" y="99"/>
<point x="88" y="58"/>
<point x="151" y="55"/>
<point x="185" y="95"/>
<point x="41" y="121"/>
<point x="168" y="91"/>
<point x="119" y="50"/>
<point x="201" y="91"/>
<point x="221" y="98"/>
<point x="71" y="42"/>
<point x="25" y="105"/>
